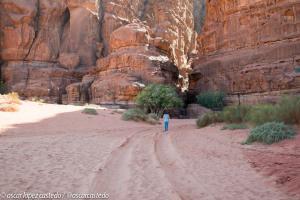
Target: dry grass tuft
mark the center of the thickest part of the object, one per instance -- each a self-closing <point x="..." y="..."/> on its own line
<point x="9" y="108"/>
<point x="10" y="102"/>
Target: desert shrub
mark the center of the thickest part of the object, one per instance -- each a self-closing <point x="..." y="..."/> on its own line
<point x="212" y="100"/>
<point x="288" y="109"/>
<point x="134" y="114"/>
<point x="157" y="98"/>
<point x="37" y="99"/>
<point x="208" y="118"/>
<point x="13" y="98"/>
<point x="117" y="112"/>
<point x="137" y="114"/>
<point x="90" y="111"/>
<point x="3" y="88"/>
<point x="9" y="102"/>
<point x="235" y="114"/>
<point x="9" y="107"/>
<point x="270" y="132"/>
<point x="234" y="126"/>
<point x="152" y="118"/>
<point x="263" y="113"/>
<point x="297" y="69"/>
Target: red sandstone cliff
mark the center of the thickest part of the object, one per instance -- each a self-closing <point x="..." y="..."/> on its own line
<point x="46" y="45"/>
<point x="77" y="50"/>
<point x="249" y="47"/>
<point x="104" y="51"/>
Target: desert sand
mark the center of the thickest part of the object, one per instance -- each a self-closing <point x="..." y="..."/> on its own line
<point x="56" y="148"/>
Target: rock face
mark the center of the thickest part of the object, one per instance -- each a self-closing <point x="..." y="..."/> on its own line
<point x="38" y="79"/>
<point x="42" y="43"/>
<point x="113" y="47"/>
<point x="249" y="47"/>
<point x="105" y="51"/>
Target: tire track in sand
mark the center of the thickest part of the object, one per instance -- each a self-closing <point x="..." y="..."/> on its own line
<point x="113" y="177"/>
<point x="182" y="179"/>
<point x="133" y="171"/>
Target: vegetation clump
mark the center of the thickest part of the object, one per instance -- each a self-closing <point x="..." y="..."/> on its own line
<point x="138" y="115"/>
<point x="157" y="98"/>
<point x="9" y="102"/>
<point x="134" y="114"/>
<point x="262" y="113"/>
<point x="3" y="88"/>
<point x="288" y="109"/>
<point x="269" y="119"/>
<point x="90" y="111"/>
<point x="270" y="132"/>
<point x="208" y="119"/>
<point x="212" y="99"/>
<point x="37" y="99"/>
<point x="235" y="114"/>
<point x="234" y="126"/>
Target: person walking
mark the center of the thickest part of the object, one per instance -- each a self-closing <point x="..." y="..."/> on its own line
<point x="166" y="118"/>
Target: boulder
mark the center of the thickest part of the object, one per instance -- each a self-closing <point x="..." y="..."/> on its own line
<point x="195" y="111"/>
<point x="129" y="35"/>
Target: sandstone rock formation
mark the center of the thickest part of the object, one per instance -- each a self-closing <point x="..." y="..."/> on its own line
<point x="118" y="44"/>
<point x="39" y="38"/>
<point x="249" y="47"/>
<point x="133" y="62"/>
<point x="105" y="51"/>
<point x="38" y="79"/>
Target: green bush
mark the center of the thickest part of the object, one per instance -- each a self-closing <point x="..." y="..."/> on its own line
<point x="212" y="100"/>
<point x="209" y="118"/>
<point x="263" y="113"/>
<point x="90" y="111"/>
<point x="152" y="118"/>
<point x="235" y="114"/>
<point x="134" y="114"/>
<point x="297" y="69"/>
<point x="137" y="114"/>
<point x="270" y="132"/>
<point x="3" y="88"/>
<point x="288" y="109"/>
<point x="157" y="98"/>
<point x="234" y="126"/>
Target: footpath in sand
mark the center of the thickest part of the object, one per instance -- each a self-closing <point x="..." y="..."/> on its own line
<point x="53" y="148"/>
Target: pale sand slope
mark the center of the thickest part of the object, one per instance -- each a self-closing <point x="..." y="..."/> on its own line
<point x="52" y="148"/>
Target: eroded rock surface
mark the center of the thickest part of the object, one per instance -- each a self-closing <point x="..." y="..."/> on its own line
<point x="141" y="42"/>
<point x="40" y="39"/>
<point x="117" y="42"/>
<point x="109" y="49"/>
<point x="249" y="47"/>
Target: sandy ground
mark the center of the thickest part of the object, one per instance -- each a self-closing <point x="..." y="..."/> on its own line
<point x="54" y="148"/>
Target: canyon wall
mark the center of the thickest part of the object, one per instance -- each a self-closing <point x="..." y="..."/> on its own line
<point x="251" y="48"/>
<point x="106" y="51"/>
<point x="100" y="51"/>
<point x="46" y="45"/>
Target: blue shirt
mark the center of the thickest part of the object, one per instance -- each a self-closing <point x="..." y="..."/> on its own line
<point x="166" y="117"/>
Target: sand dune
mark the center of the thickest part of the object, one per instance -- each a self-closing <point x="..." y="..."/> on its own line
<point x="52" y="148"/>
